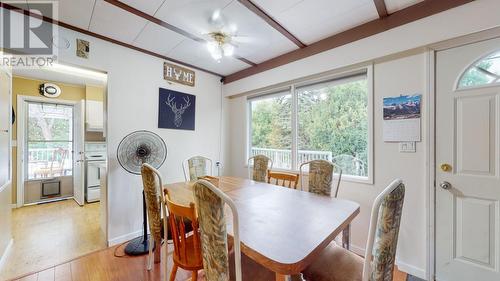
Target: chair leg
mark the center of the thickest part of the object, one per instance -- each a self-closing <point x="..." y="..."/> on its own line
<point x="173" y="273"/>
<point x="150" y="254"/>
<point x="158" y="251"/>
<point x="194" y="276"/>
<point x="165" y="263"/>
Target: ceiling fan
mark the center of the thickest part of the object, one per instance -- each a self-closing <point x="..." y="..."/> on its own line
<point x="222" y="41"/>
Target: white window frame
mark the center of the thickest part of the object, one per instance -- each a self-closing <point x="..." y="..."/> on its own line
<point x="464" y="71"/>
<point x="368" y="70"/>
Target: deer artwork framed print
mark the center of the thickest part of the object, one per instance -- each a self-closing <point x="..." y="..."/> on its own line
<point x="176" y="110"/>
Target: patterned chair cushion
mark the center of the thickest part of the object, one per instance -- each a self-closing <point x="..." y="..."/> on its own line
<point x="386" y="235"/>
<point x="260" y="166"/>
<point x="198" y="167"/>
<point x="211" y="218"/>
<point x="151" y="192"/>
<point x="151" y="186"/>
<point x="320" y="177"/>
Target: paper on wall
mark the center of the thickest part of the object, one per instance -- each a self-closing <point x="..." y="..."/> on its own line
<point x="402" y="118"/>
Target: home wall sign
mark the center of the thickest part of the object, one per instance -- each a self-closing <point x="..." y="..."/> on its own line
<point x="178" y="74"/>
<point x="176" y="110"/>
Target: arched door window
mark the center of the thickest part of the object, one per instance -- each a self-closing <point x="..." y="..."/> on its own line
<point x="485" y="71"/>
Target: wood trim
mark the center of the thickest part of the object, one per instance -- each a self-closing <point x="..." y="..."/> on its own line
<point x="152" y="19"/>
<point x="407" y="15"/>
<point x="102" y="37"/>
<point x="272" y="22"/>
<point x="381" y="8"/>
<point x="166" y="25"/>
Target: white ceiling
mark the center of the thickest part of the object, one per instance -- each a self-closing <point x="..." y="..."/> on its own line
<point x="308" y="20"/>
<point x="313" y="20"/>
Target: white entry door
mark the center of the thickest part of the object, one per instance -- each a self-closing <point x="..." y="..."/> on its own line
<point x="468" y="162"/>
<point x="79" y="153"/>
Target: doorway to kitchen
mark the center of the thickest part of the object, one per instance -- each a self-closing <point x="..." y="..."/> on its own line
<point x="48" y="151"/>
<point x="59" y="188"/>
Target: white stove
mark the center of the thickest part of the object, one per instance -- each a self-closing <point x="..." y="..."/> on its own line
<point x="95" y="157"/>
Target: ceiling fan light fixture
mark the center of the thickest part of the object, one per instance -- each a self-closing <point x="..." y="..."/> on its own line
<point x="220" y="45"/>
<point x="212" y="46"/>
<point x="216" y="53"/>
<point x="228" y="50"/>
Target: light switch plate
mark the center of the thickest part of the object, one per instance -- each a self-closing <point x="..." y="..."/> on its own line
<point x="408" y="147"/>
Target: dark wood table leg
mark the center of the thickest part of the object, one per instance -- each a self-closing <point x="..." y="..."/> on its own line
<point x="346" y="237"/>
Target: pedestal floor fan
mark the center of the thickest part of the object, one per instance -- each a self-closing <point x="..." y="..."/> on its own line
<point x="134" y="150"/>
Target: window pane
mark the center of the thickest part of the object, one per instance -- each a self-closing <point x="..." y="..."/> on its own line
<point x="486" y="71"/>
<point x="49" y="159"/>
<point x="50" y="122"/>
<point x="271" y="130"/>
<point x="333" y="124"/>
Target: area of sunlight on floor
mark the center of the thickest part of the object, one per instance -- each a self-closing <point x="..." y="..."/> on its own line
<point x="49" y="234"/>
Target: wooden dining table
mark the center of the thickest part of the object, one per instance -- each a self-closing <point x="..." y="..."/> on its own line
<point x="282" y="229"/>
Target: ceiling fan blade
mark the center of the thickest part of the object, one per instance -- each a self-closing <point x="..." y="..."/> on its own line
<point x="242" y="39"/>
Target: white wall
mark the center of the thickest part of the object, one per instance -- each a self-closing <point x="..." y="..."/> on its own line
<point x="401" y="75"/>
<point x="133" y="82"/>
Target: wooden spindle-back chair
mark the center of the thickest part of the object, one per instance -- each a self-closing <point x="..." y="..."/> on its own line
<point x="187" y="245"/>
<point x="284" y="179"/>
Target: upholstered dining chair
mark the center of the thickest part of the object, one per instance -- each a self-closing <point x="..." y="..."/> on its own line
<point x="187" y="245"/>
<point x="210" y="203"/>
<point x="338" y="264"/>
<point x="197" y="166"/>
<point x="321" y="176"/>
<point x="261" y="164"/>
<point x="152" y="182"/>
<point x="289" y="180"/>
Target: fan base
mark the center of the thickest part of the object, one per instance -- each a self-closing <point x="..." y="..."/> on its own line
<point x="138" y="246"/>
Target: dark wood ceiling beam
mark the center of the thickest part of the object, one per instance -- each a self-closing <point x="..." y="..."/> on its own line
<point x="272" y="22"/>
<point x="166" y="25"/>
<point x="407" y="15"/>
<point x="102" y="37"/>
<point x="381" y="8"/>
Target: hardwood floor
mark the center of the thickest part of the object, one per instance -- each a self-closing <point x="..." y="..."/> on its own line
<point x="49" y="234"/>
<point x="103" y="266"/>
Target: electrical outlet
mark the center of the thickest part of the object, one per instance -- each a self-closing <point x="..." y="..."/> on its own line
<point x="408" y="147"/>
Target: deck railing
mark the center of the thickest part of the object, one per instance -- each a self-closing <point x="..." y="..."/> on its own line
<point x="282" y="158"/>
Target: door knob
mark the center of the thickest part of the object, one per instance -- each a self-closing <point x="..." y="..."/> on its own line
<point x="445" y="167"/>
<point x="445" y="185"/>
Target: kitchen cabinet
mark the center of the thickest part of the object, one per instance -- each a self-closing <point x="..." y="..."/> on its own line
<point x="94" y="112"/>
<point x="94" y="116"/>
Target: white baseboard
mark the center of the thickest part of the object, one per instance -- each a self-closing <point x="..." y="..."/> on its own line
<point x="410" y="269"/>
<point x="13" y="206"/>
<point x="5" y="254"/>
<point x="124" y="238"/>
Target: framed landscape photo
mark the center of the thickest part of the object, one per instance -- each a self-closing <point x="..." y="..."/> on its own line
<point x="176" y="110"/>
